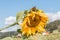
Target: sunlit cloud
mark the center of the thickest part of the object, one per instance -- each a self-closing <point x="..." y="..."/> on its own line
<point x="10" y="20"/>
<point x="53" y="16"/>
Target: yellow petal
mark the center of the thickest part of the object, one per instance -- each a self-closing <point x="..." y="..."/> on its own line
<point x="24" y="31"/>
<point x="28" y="32"/>
<point x="33" y="30"/>
<point x="44" y="19"/>
<point x="40" y="29"/>
<point x="42" y="24"/>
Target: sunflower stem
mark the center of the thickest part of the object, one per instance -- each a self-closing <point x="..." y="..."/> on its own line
<point x="9" y="26"/>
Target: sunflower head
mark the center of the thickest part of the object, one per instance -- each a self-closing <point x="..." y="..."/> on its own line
<point x="35" y="20"/>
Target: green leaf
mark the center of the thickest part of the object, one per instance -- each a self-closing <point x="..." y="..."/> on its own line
<point x="19" y="16"/>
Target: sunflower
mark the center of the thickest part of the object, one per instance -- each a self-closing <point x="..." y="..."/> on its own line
<point x="33" y="22"/>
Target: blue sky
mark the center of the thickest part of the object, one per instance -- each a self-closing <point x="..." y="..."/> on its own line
<point x="11" y="7"/>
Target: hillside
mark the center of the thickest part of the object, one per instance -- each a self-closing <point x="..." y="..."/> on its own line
<point x="53" y="26"/>
<point x="7" y="34"/>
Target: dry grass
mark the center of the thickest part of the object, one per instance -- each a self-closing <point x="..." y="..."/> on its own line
<point x="53" y="36"/>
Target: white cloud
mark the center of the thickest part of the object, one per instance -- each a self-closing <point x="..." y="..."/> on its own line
<point x="53" y="16"/>
<point x="10" y="20"/>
